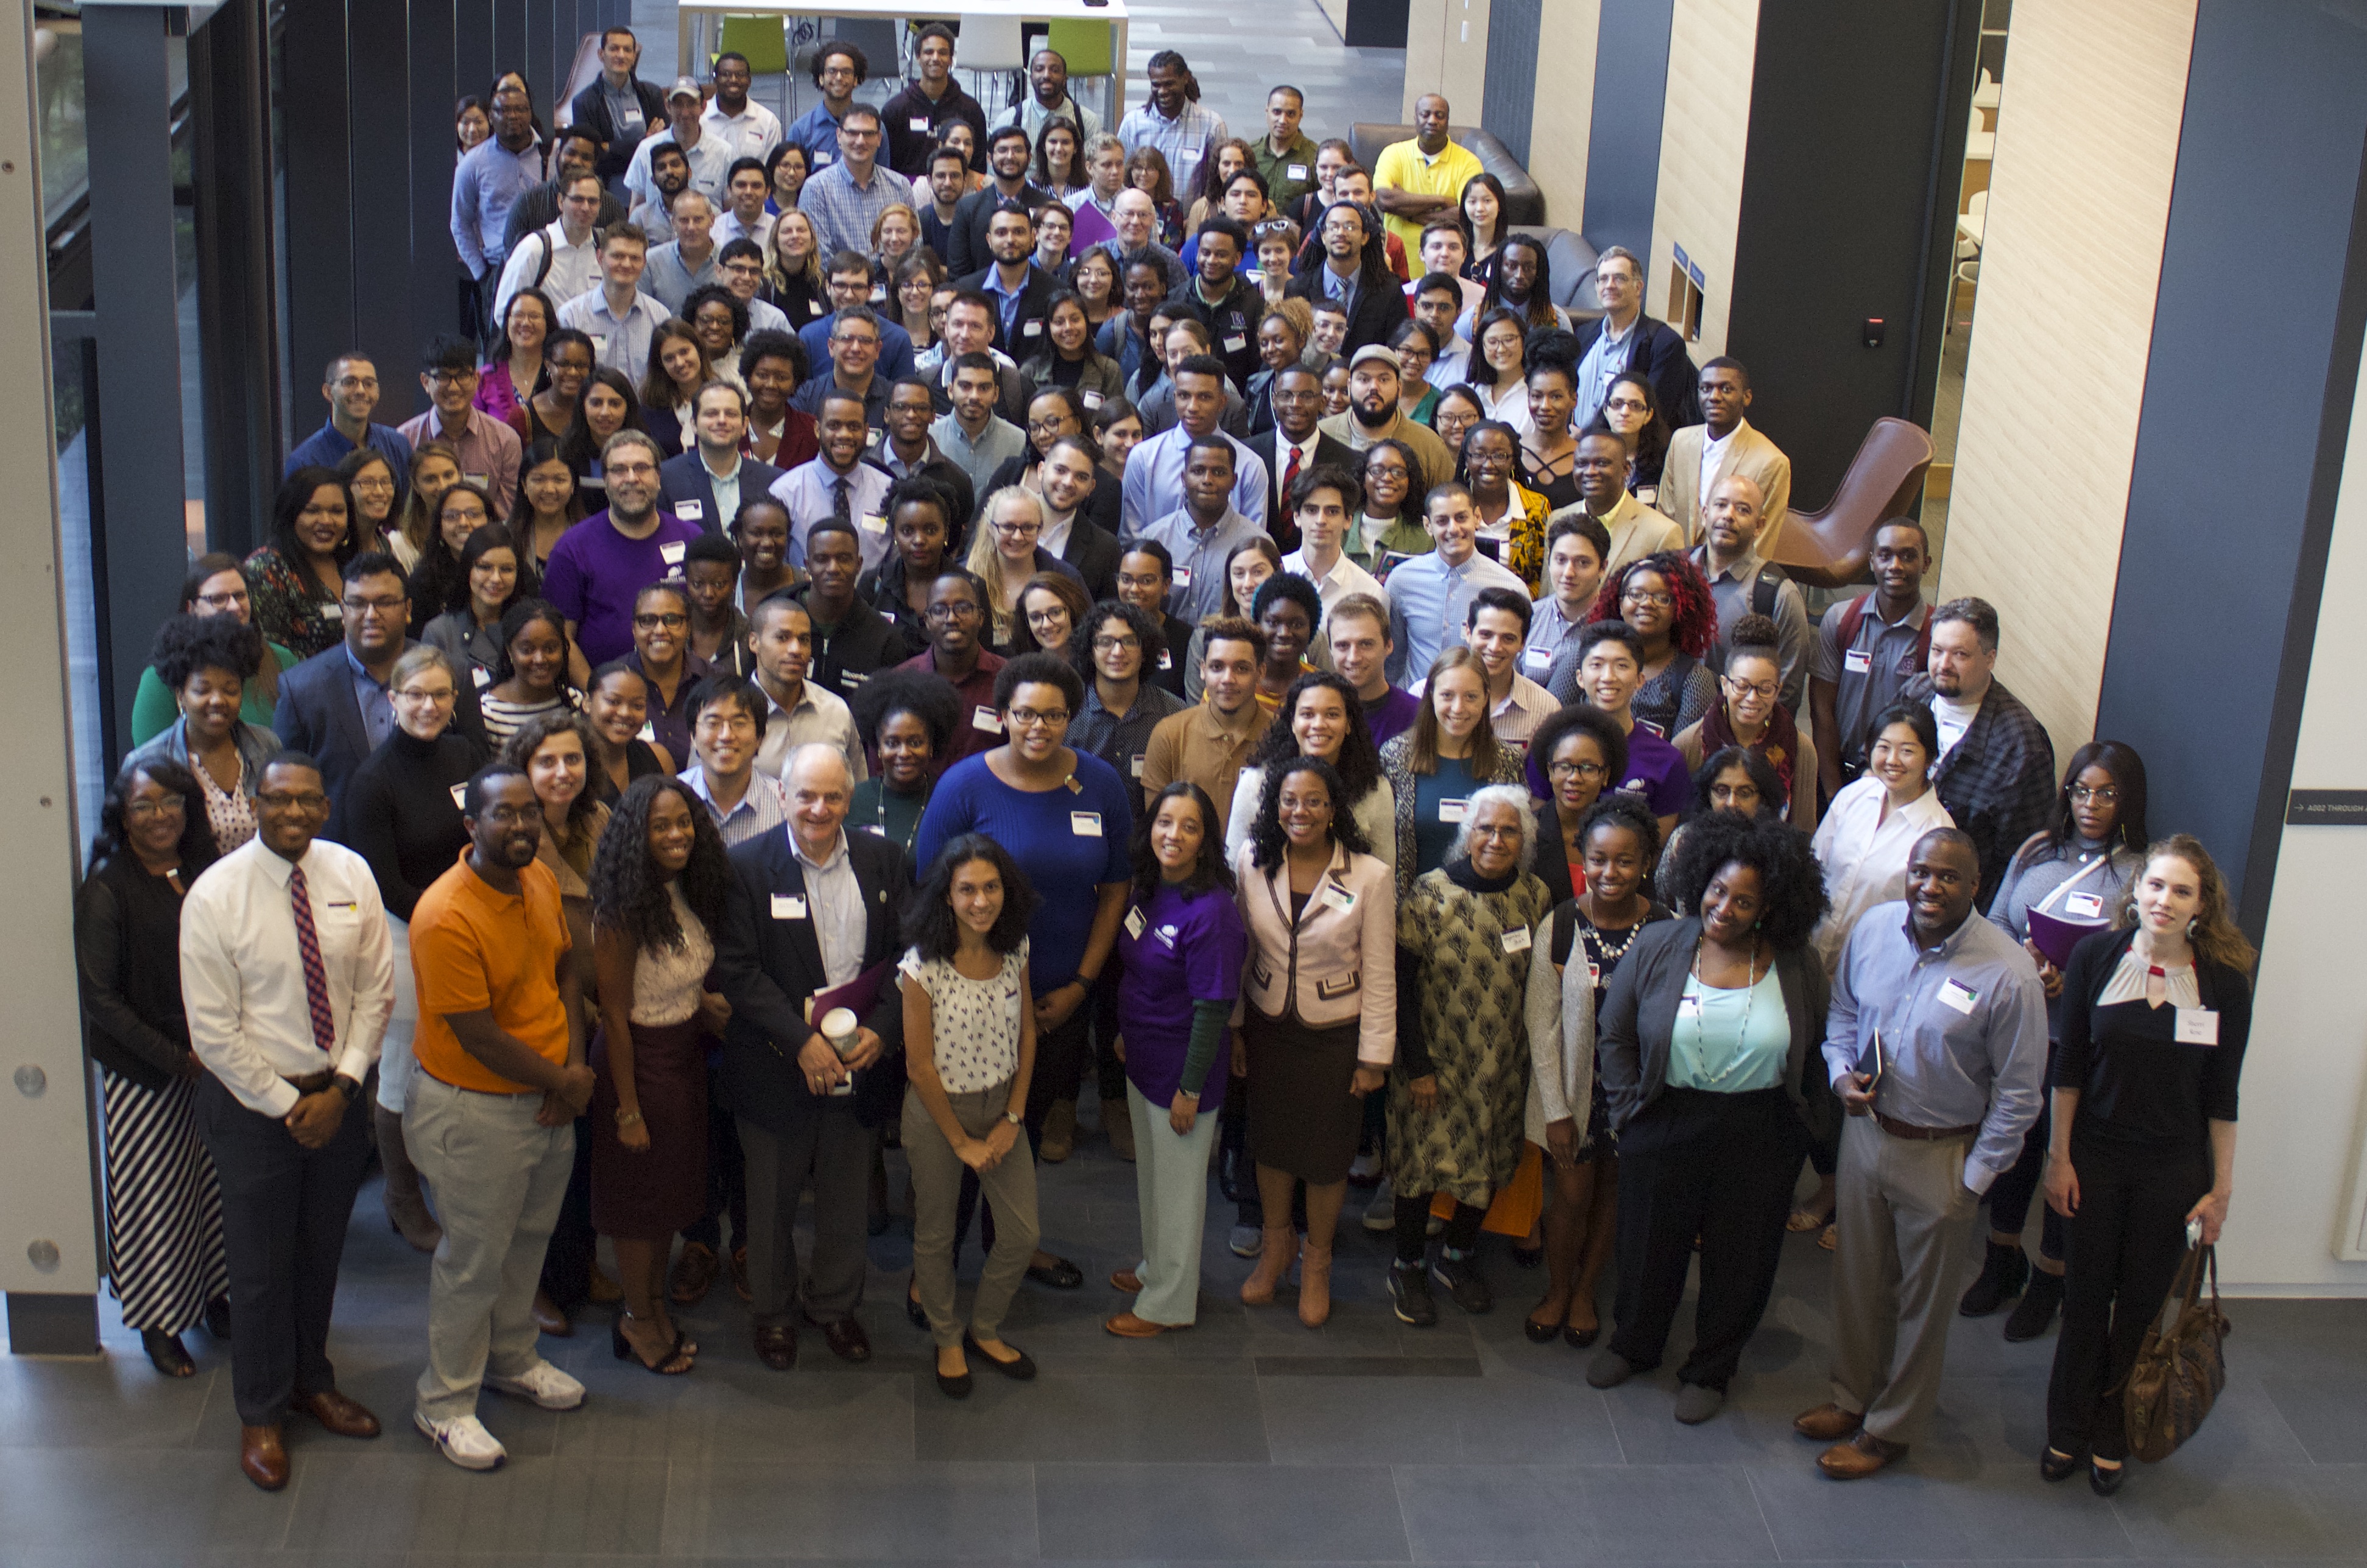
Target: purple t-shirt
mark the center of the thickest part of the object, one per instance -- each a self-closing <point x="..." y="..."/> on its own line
<point x="596" y="573"/>
<point x="1658" y="773"/>
<point x="1189" y="951"/>
<point x="1392" y="716"/>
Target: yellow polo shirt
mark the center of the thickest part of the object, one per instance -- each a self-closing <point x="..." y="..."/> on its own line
<point x="1402" y="166"/>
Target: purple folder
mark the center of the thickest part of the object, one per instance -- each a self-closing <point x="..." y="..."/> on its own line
<point x="2056" y="937"/>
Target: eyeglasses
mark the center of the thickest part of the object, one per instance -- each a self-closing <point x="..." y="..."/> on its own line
<point x="1508" y="830"/>
<point x="377" y="483"/>
<point x="671" y="620"/>
<point x="1051" y="618"/>
<point x="1018" y="530"/>
<point x="1739" y="689"/>
<point x="149" y="810"/>
<point x="1626" y="405"/>
<point x="1047" y="426"/>
<point x="2102" y="795"/>
<point x="855" y="340"/>
<point x="1028" y="718"/>
<point x="962" y="612"/>
<point x="230" y="601"/>
<point x="394" y="606"/>
<point x="1114" y="644"/>
<point x="412" y="695"/>
<point x="631" y="470"/>
<point x="1646" y="596"/>
<point x="1575" y="769"/>
<point x="281" y="800"/>
<point x="451" y="378"/>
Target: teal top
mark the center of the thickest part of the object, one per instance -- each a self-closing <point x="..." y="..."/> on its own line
<point x="1441" y="799"/>
<point x="1729" y="1041"/>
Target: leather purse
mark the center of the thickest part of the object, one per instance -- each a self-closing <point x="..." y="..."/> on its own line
<point x="2180" y="1371"/>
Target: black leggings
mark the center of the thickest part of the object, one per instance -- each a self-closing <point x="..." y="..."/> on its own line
<point x="1413" y="1227"/>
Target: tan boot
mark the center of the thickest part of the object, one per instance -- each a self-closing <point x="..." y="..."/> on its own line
<point x="1119" y="1123"/>
<point x="1059" y="1140"/>
<point x="1315" y="1285"/>
<point x="1275" y="1253"/>
<point x="406" y="1204"/>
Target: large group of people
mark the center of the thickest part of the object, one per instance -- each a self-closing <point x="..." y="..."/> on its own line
<point x="917" y="623"/>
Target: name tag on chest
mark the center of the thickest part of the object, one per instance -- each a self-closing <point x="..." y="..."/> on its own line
<point x="1183" y="580"/>
<point x="1516" y="940"/>
<point x="1135" y="924"/>
<point x="1857" y="661"/>
<point x="690" y="511"/>
<point x="788" y="907"/>
<point x="1454" y="810"/>
<point x="983" y="718"/>
<point x="1085" y="824"/>
<point x="1956" y="994"/>
<point x="1340" y="898"/>
<point x="2087" y="905"/>
<point x="2198" y="1026"/>
<point x="671" y="554"/>
<point x="461" y="797"/>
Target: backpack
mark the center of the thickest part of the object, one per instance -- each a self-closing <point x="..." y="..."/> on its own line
<point x="1853" y="616"/>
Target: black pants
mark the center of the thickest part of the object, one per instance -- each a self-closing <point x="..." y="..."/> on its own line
<point x="727" y="1168"/>
<point x="567" y="1262"/>
<point x="1109" y="1073"/>
<point x="2011" y="1193"/>
<point x="284" y="1214"/>
<point x="1716" y="1166"/>
<point x="2122" y="1249"/>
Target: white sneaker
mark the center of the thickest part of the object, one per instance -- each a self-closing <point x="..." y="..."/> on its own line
<point x="1381" y="1213"/>
<point x="463" y="1441"/>
<point x="543" y="1383"/>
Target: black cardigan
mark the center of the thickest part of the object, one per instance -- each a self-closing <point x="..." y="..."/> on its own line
<point x="402" y="816"/>
<point x="127" y="964"/>
<point x="2139" y="1087"/>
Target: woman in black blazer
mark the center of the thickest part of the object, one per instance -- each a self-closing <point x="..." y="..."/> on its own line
<point x="164" y="1205"/>
<point x="2155" y="1021"/>
<point x="1709" y="1048"/>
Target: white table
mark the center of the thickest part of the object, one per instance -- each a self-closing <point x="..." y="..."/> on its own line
<point x="1972" y="225"/>
<point x="696" y="18"/>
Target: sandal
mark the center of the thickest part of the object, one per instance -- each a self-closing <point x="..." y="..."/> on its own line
<point x="673" y="1364"/>
<point x="1802" y="1221"/>
<point x="1831" y="1237"/>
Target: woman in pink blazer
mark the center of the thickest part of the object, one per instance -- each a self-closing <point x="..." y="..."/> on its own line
<point x="1318" y="1010"/>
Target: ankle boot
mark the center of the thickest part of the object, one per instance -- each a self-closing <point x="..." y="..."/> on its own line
<point x="1315" y="1285"/>
<point x="1119" y="1123"/>
<point x="2000" y="1280"/>
<point x="1276" y="1249"/>
<point x="406" y="1204"/>
<point x="2031" y="1314"/>
<point x="1059" y="1139"/>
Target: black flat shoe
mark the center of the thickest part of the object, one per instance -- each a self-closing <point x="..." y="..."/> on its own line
<point x="1528" y="1257"/>
<point x="1021" y="1368"/>
<point x="167" y="1352"/>
<point x="1060" y="1274"/>
<point x="2104" y="1482"/>
<point x="2053" y="1466"/>
<point x="913" y="1312"/>
<point x="1540" y="1333"/>
<point x="954" y="1388"/>
<point x="1581" y="1339"/>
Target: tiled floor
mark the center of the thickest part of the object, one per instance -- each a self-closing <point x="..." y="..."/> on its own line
<point x="1248" y="1439"/>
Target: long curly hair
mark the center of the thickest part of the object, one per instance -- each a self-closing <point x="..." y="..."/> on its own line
<point x="519" y="752"/>
<point x="1359" y="766"/>
<point x="1266" y="838"/>
<point x="1792" y="885"/>
<point x="186" y="644"/>
<point x="1209" y="871"/>
<point x="198" y="848"/>
<point x="1693" y="618"/>
<point x="628" y="893"/>
<point x="2213" y="933"/>
<point x="930" y="924"/>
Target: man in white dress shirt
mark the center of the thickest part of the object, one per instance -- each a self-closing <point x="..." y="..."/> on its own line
<point x="288" y="978"/>
<point x="1324" y="501"/>
<point x="749" y="129"/>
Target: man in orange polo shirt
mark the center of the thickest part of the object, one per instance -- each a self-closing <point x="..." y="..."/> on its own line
<point x="490" y="1117"/>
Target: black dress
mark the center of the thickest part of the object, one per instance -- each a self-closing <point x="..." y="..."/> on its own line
<point x="640" y="762"/>
<point x="403" y="815"/>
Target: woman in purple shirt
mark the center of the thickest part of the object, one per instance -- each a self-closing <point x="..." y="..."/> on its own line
<point x="1181" y="950"/>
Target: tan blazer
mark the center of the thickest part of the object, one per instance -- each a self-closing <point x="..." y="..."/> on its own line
<point x="1636" y="529"/>
<point x="1750" y="454"/>
<point x="1335" y="965"/>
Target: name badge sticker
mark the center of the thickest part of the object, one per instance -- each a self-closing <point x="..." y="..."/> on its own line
<point x="983" y="718"/>
<point x="1340" y="898"/>
<point x="1537" y="659"/>
<point x="1135" y="922"/>
<point x="671" y="553"/>
<point x="1517" y="939"/>
<point x="1294" y="171"/>
<point x="1593" y="973"/>
<point x="1085" y="824"/>
<point x="648" y="733"/>
<point x="1689" y="1006"/>
<point x="461" y="797"/>
<point x="1857" y="661"/>
<point x="690" y="511"/>
<point x="480" y="675"/>
<point x="1166" y="660"/>
<point x="873" y="524"/>
<point x="918" y="122"/>
<point x="2198" y="1026"/>
<point x="1093" y="399"/>
<point x="2087" y="905"/>
<point x="1031" y="329"/>
<point x="788" y="907"/>
<point x="1957" y="994"/>
<point x="1137" y="765"/>
<point x="1236" y="343"/>
<point x="1183" y="580"/>
<point x="332" y="611"/>
<point x="1454" y="810"/>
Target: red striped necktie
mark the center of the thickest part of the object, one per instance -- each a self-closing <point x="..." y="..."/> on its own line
<point x="316" y="973"/>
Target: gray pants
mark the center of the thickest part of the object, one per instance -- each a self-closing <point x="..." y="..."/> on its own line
<point x="499" y="1180"/>
<point x="1171" y="1178"/>
<point x="831" y="1150"/>
<point x="937" y="1191"/>
<point x="1906" y="1222"/>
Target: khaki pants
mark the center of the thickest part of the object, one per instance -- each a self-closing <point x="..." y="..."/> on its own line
<point x="1906" y="1220"/>
<point x="937" y="1191"/>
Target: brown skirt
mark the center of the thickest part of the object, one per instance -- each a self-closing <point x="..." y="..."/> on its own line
<point x="642" y="1194"/>
<point x="1303" y="1120"/>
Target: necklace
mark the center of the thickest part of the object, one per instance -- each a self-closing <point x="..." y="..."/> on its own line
<point x="1749" y="1000"/>
<point x="880" y="816"/>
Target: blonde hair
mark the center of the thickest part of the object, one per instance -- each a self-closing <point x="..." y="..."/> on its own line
<point x="810" y="273"/>
<point x="986" y="562"/>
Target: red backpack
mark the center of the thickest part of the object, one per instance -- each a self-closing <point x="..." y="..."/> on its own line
<point x="1853" y="616"/>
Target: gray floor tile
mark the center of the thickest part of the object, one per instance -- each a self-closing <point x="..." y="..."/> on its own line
<point x="1581" y="1514"/>
<point x="2328" y="1415"/>
<point x="733" y="1411"/>
<point x="115" y="1401"/>
<point x="398" y="1491"/>
<point x="1110" y="1416"/>
<point x="854" y="1511"/>
<point x="1997" y="1511"/>
<point x="124" y="1502"/>
<point x="1228" y="1513"/>
<point x="1440" y="1421"/>
<point x="2197" y="1510"/>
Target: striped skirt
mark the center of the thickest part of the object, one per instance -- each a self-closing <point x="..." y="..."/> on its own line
<point x="164" y="1206"/>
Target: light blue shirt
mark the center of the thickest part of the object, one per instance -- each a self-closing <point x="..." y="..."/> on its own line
<point x="1602" y="366"/>
<point x="1730" y="1042"/>
<point x="1199" y="556"/>
<point x="1183" y="141"/>
<point x="810" y="490"/>
<point x="760" y="811"/>
<point x="711" y="163"/>
<point x="1428" y="602"/>
<point x="666" y="277"/>
<point x="490" y="178"/>
<point x="373" y="698"/>
<point x="1154" y="481"/>
<point x="996" y="445"/>
<point x="1549" y="632"/>
<point x="620" y="343"/>
<point x="843" y="211"/>
<point x="835" y="900"/>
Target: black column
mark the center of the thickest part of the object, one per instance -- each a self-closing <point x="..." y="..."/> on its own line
<point x="435" y="88"/>
<point x="544" y="61"/>
<point x="2248" y="403"/>
<point x="314" y="119"/>
<point x="1623" y="146"/>
<point x="378" y="161"/>
<point x="237" y="315"/>
<point x="144" y="556"/>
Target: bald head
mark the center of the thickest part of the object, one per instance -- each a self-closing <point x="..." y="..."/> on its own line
<point x="1734" y="517"/>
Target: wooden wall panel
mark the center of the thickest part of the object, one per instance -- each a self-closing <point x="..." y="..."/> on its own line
<point x="1562" y="120"/>
<point x="1704" y="134"/>
<point x="2086" y="147"/>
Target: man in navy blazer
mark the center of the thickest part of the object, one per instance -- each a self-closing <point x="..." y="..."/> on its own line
<point x="1652" y="349"/>
<point x="686" y="484"/>
<point x="810" y="907"/>
<point x="320" y="700"/>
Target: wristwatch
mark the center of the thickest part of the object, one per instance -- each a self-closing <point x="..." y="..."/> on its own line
<point x="1014" y="1118"/>
<point x="348" y="1086"/>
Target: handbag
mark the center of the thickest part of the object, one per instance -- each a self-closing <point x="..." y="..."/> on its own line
<point x="2178" y="1373"/>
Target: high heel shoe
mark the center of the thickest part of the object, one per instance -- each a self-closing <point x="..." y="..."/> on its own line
<point x="673" y="1364"/>
<point x="1276" y="1248"/>
<point x="167" y="1353"/>
<point x="1314" y="1285"/>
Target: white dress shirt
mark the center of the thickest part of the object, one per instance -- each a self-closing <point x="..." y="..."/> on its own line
<point x="243" y="973"/>
<point x="1864" y="851"/>
<point x="754" y="132"/>
<point x="1345" y="578"/>
<point x="841" y="925"/>
<point x="573" y="270"/>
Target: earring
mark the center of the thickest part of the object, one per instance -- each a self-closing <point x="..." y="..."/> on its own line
<point x="2191" y="924"/>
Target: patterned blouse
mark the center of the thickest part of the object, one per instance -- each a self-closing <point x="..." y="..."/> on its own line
<point x="1677" y="696"/>
<point x="667" y="981"/>
<point x="974" y="1023"/>
<point x="290" y="605"/>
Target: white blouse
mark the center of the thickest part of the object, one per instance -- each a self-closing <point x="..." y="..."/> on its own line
<point x="975" y="1024"/>
<point x="667" y="981"/>
<point x="2128" y="983"/>
<point x="1865" y="852"/>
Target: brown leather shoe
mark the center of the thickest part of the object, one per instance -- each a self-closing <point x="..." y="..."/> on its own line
<point x="777" y="1346"/>
<point x="1127" y="1280"/>
<point x="1125" y="1325"/>
<point x="740" y="1275"/>
<point x="693" y="1275"/>
<point x="549" y="1319"/>
<point x="344" y="1416"/>
<point x="1827" y="1423"/>
<point x="1860" y="1457"/>
<point x="845" y="1339"/>
<point x="262" y="1457"/>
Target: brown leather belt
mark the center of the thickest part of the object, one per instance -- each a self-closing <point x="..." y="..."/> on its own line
<point x="1899" y="1129"/>
<point x="312" y="1083"/>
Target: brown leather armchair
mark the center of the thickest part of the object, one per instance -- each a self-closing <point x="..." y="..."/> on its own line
<point x="1829" y="548"/>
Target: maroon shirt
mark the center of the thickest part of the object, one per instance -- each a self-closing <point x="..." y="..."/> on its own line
<point x="979" y="729"/>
